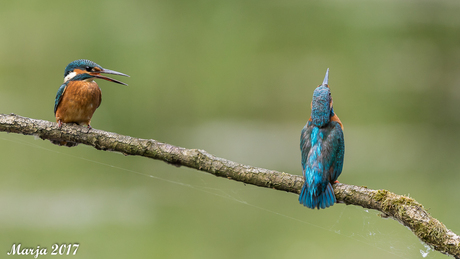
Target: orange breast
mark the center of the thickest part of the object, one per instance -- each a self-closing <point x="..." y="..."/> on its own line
<point x="79" y="102"/>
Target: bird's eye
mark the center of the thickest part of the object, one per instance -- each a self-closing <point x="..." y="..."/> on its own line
<point x="88" y="68"/>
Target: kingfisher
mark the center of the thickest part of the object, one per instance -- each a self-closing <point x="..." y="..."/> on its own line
<point x="322" y="148"/>
<point x="79" y="96"/>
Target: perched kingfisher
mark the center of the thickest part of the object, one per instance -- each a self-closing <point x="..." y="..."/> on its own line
<point x="322" y="147"/>
<point x="79" y="96"/>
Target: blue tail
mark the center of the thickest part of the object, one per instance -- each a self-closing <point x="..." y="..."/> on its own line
<point x="324" y="200"/>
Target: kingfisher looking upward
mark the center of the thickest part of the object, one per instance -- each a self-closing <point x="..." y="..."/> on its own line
<point x="79" y="96"/>
<point x="322" y="147"/>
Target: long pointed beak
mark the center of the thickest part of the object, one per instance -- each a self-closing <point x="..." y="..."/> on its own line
<point x="326" y="78"/>
<point x="108" y="71"/>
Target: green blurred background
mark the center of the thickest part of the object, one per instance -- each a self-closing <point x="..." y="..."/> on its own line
<point x="234" y="78"/>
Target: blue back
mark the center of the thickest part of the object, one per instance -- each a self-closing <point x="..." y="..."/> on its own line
<point x="322" y="150"/>
<point x="328" y="149"/>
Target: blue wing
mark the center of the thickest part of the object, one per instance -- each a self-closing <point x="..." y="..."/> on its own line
<point x="339" y="146"/>
<point x="59" y="95"/>
<point x="305" y="144"/>
<point x="334" y="150"/>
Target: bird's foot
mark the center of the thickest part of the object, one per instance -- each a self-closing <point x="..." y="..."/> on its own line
<point x="89" y="128"/>
<point x="336" y="182"/>
<point x="59" y="124"/>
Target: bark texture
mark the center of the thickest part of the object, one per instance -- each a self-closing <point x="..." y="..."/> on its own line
<point x="405" y="210"/>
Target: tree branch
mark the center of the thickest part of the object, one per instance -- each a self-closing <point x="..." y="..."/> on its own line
<point x="401" y="208"/>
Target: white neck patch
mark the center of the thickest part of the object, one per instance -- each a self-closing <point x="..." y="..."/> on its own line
<point x="70" y="76"/>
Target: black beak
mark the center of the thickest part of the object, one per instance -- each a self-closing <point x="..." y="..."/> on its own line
<point x="108" y="71"/>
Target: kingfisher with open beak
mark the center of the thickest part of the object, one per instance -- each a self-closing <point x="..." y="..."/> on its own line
<point x="79" y="96"/>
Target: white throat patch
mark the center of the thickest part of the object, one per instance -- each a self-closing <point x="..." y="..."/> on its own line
<point x="70" y="76"/>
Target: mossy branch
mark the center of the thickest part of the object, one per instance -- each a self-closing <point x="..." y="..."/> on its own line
<point x="401" y="208"/>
